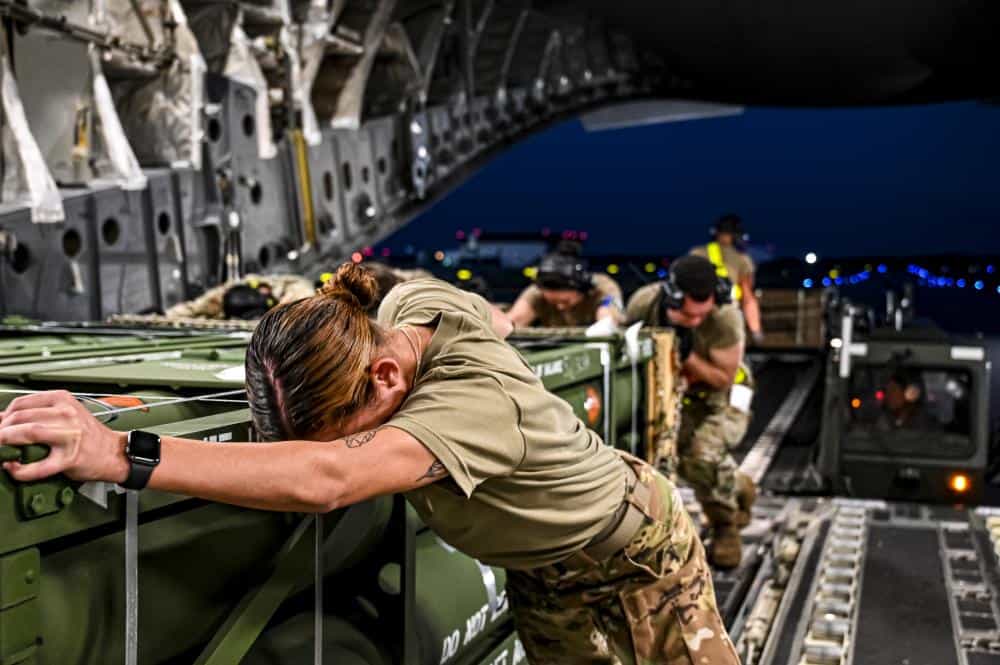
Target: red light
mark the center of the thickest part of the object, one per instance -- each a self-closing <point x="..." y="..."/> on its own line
<point x="880" y="395"/>
<point x="477" y="232"/>
<point x="386" y="251"/>
<point x="368" y="251"/>
<point x="856" y="403"/>
<point x="546" y="232"/>
<point x="357" y="257"/>
<point x="459" y="235"/>
<point x="583" y="235"/>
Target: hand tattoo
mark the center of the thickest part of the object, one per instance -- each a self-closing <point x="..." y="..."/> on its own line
<point x="359" y="439"/>
<point x="436" y="470"/>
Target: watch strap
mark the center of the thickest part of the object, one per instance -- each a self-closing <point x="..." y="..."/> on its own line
<point x="138" y="475"/>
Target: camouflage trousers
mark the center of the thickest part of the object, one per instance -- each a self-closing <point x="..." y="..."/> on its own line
<point x="650" y="603"/>
<point x="707" y="432"/>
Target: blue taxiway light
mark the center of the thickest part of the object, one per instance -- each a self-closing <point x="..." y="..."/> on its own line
<point x="979" y="285"/>
<point x="807" y="283"/>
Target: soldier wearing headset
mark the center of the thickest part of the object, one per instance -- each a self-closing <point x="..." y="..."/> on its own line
<point x="697" y="304"/>
<point x="565" y="293"/>
<point x="731" y="262"/>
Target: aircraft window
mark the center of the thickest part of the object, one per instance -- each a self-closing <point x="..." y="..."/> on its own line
<point x="909" y="410"/>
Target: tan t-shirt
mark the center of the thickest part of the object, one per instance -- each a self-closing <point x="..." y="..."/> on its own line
<point x="723" y="328"/>
<point x="530" y="484"/>
<point x="739" y="265"/>
<point x="605" y="291"/>
<point x="646" y="305"/>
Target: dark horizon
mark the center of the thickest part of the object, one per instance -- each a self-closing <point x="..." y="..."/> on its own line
<point x="896" y="181"/>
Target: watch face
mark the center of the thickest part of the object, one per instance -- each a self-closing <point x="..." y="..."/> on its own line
<point x="143" y="447"/>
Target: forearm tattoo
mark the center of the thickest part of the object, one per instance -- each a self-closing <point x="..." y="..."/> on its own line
<point x="359" y="439"/>
<point x="436" y="470"/>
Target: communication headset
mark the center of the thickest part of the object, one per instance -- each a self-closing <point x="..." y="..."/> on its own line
<point x="563" y="271"/>
<point x="248" y="301"/>
<point x="673" y="294"/>
<point x="730" y="224"/>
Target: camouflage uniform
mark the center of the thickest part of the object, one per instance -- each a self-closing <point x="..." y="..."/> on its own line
<point x="208" y="305"/>
<point x="650" y="603"/>
<point x="708" y="430"/>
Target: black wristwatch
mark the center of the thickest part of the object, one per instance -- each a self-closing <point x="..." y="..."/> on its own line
<point x="143" y="452"/>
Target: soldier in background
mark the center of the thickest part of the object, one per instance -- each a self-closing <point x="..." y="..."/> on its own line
<point x="567" y="294"/>
<point x="246" y="298"/>
<point x="732" y="263"/>
<point x="695" y="302"/>
<point x="250" y="297"/>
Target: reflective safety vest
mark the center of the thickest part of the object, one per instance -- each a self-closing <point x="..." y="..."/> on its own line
<point x="714" y="251"/>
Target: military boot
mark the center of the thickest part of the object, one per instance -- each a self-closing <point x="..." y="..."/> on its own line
<point x="726" y="548"/>
<point x="746" y="494"/>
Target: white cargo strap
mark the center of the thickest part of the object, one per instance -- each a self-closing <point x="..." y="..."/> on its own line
<point x="490" y="583"/>
<point x="318" y="584"/>
<point x="606" y="364"/>
<point x="131" y="577"/>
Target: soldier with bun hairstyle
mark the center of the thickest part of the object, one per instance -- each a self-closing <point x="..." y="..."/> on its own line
<point x="604" y="563"/>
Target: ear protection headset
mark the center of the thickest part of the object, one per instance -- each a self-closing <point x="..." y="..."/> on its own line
<point x="248" y="301"/>
<point x="673" y="294"/>
<point x="562" y="271"/>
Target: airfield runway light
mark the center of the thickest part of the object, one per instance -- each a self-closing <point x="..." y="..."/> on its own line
<point x="325" y="277"/>
<point x="855" y="403"/>
<point x="960" y="283"/>
<point x="882" y="268"/>
<point x="661" y="273"/>
<point x="811" y="258"/>
<point x="979" y="285"/>
<point x="439" y="255"/>
<point x="990" y="269"/>
<point x="826" y="281"/>
<point x="583" y="235"/>
<point x="531" y="272"/>
<point x="834" y="274"/>
<point x="613" y="269"/>
<point x="386" y="252"/>
<point x="880" y="395"/>
<point x="807" y="283"/>
<point x="836" y="343"/>
<point x="650" y="267"/>
<point x="464" y="274"/>
<point x="477" y="232"/>
<point x="368" y="251"/>
<point x="959" y="483"/>
<point x="460" y="235"/>
<point x="357" y="257"/>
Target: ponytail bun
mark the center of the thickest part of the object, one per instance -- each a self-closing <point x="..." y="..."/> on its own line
<point x="352" y="282"/>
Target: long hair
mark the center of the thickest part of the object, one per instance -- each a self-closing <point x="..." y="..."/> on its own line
<point x="307" y="364"/>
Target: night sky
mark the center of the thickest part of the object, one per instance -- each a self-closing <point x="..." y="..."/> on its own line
<point x="896" y="181"/>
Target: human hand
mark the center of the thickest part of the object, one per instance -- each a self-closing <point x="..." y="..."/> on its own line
<point x="80" y="446"/>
